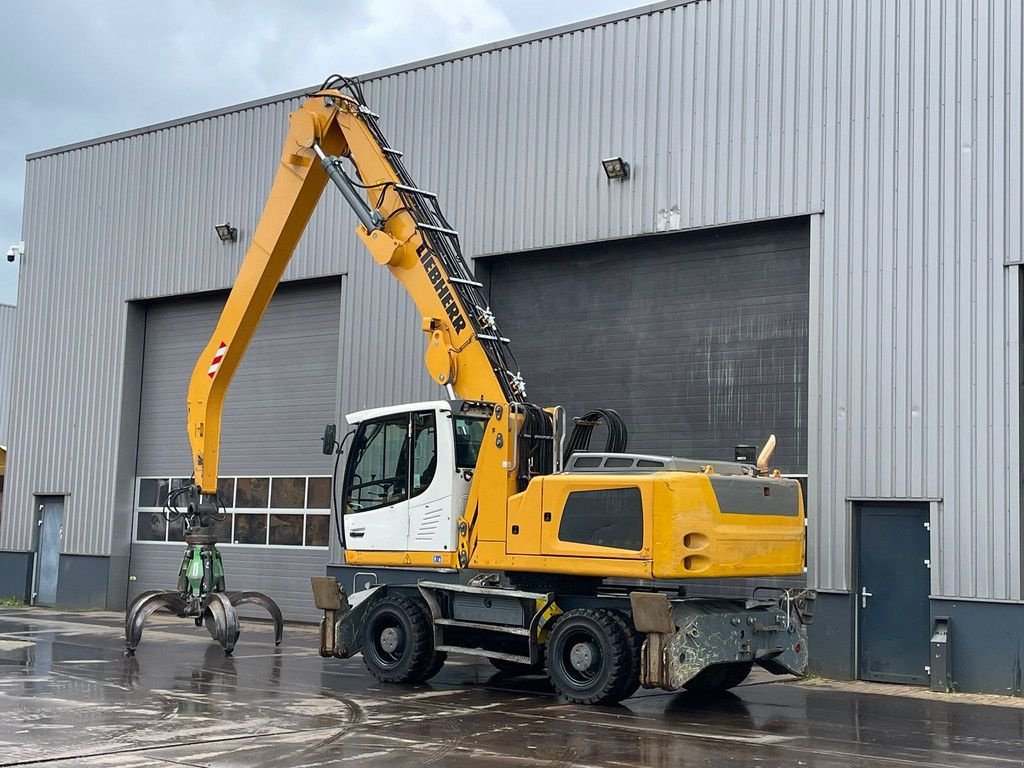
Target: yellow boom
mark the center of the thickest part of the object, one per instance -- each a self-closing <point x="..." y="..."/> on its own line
<point x="328" y="126"/>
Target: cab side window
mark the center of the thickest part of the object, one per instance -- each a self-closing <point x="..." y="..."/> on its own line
<point x="469" y="434"/>
<point x="424" y="451"/>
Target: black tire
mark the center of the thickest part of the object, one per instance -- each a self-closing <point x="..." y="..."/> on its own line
<point x="398" y="643"/>
<point x="720" y="677"/>
<point x="590" y="657"/>
<point x="436" y="664"/>
<point x="630" y="682"/>
<point x="515" y="668"/>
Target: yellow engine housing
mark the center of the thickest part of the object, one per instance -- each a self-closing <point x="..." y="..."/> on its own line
<point x="659" y="525"/>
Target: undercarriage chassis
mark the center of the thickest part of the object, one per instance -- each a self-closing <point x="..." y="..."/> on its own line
<point x="693" y="643"/>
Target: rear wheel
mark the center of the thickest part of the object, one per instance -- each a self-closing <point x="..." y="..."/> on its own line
<point x="440" y="657"/>
<point x="590" y="657"/>
<point x="398" y="643"/>
<point x="631" y="681"/>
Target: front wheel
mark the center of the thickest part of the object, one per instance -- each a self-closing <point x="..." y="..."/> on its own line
<point x="398" y="643"/>
<point x="590" y="657"/>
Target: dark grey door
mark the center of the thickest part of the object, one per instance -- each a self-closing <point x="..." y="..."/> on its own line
<point x="51" y="533"/>
<point x="892" y="592"/>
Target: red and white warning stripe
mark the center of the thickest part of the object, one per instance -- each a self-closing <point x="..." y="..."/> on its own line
<point x="217" y="359"/>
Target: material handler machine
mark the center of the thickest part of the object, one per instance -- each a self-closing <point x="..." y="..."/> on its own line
<point x="479" y="523"/>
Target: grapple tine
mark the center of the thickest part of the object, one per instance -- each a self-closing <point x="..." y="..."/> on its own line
<point x="258" y="598"/>
<point x="221" y="621"/>
<point x="142" y="608"/>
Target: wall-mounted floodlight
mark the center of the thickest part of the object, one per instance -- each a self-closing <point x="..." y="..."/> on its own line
<point x="227" y="233"/>
<point x="615" y="168"/>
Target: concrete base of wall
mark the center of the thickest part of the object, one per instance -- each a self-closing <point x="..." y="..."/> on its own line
<point x="82" y="582"/>
<point x="16" y="575"/>
<point x="117" y="583"/>
<point x="987" y="645"/>
<point x="986" y="642"/>
<point x="831" y="637"/>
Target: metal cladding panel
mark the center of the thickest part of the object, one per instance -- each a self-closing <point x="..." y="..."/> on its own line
<point x="382" y="345"/>
<point x="710" y="103"/>
<point x="900" y="121"/>
<point x="918" y="320"/>
<point x="8" y="315"/>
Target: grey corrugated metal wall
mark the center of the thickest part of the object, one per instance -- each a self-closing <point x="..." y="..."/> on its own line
<point x="8" y="314"/>
<point x="918" y="370"/>
<point x="901" y="121"/>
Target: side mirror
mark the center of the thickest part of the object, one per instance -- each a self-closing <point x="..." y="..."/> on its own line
<point x="330" y="431"/>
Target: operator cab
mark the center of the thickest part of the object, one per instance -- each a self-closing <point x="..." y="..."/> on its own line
<point x="407" y="475"/>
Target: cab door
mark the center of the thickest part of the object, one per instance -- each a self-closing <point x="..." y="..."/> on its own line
<point x="376" y="491"/>
<point x="430" y="480"/>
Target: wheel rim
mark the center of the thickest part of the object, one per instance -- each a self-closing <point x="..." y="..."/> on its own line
<point x="387" y="640"/>
<point x="581" y="658"/>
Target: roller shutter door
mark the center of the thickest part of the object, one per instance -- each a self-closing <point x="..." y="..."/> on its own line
<point x="698" y="339"/>
<point x="283" y="393"/>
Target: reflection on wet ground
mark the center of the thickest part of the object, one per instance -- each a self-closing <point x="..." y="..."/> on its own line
<point x="68" y="697"/>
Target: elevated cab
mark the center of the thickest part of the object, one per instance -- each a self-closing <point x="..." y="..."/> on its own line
<point x="407" y="477"/>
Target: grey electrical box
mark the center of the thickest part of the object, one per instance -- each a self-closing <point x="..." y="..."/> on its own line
<point x="942" y="655"/>
<point x="745" y="454"/>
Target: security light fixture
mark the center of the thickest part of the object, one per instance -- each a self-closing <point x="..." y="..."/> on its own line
<point x="227" y="233"/>
<point x="615" y="168"/>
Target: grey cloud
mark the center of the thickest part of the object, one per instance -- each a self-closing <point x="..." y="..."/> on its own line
<point x="76" y="70"/>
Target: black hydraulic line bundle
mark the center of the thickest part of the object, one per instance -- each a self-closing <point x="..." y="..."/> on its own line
<point x="583" y="430"/>
<point x="536" y="449"/>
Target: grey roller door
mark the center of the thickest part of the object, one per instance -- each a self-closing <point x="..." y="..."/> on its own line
<point x="699" y="340"/>
<point x="280" y="398"/>
<point x="283" y="393"/>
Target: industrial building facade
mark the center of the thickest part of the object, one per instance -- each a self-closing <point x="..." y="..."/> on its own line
<point x="820" y="237"/>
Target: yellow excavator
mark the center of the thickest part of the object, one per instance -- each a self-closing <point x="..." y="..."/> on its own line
<point x="480" y="523"/>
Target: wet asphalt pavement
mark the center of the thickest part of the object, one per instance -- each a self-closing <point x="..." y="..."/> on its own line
<point x="68" y="697"/>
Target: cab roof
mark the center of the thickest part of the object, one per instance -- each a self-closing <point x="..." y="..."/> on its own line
<point x="358" y="417"/>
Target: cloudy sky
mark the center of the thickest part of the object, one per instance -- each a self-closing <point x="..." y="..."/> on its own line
<point x="77" y="69"/>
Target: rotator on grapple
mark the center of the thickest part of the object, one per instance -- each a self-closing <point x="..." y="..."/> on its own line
<point x="201" y="594"/>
